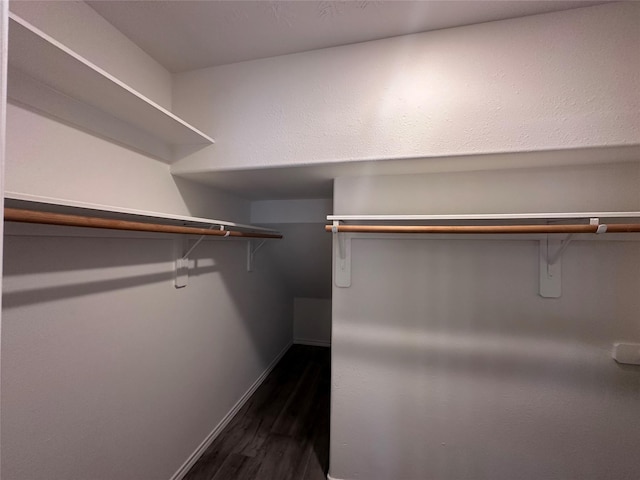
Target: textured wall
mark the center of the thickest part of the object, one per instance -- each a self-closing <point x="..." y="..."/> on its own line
<point x="560" y="80"/>
<point x="446" y="362"/>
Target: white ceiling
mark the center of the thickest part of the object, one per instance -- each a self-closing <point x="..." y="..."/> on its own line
<point x="186" y="35"/>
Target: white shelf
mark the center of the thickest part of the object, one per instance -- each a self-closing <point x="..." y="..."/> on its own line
<point x="57" y="205"/>
<point x="47" y="76"/>
<point x="482" y="216"/>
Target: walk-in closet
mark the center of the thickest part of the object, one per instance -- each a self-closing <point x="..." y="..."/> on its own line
<point x="305" y="240"/>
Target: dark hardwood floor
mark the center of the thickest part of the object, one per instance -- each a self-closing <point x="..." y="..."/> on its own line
<point x="282" y="432"/>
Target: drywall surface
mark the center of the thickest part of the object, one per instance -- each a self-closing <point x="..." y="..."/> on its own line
<point x="77" y="26"/>
<point x="447" y="364"/>
<point x="108" y="371"/>
<point x="291" y="211"/>
<point x="303" y="256"/>
<point x="554" y="81"/>
<point x="578" y="188"/>
<point x="312" y="321"/>
<point x="48" y="158"/>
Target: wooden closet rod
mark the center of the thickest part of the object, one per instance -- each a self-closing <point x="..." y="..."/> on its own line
<point x="477" y="229"/>
<point x="34" y="216"/>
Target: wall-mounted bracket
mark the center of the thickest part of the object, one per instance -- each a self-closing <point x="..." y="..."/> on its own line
<point x="186" y="255"/>
<point x="182" y="257"/>
<point x="342" y="257"/>
<point x="553" y="258"/>
<point x="251" y="251"/>
<point x="182" y="262"/>
<point x="551" y="251"/>
<point x="550" y="272"/>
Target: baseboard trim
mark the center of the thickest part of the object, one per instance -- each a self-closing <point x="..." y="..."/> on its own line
<point x="313" y="343"/>
<point x="193" y="458"/>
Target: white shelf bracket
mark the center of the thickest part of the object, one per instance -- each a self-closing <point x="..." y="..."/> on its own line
<point x="182" y="262"/>
<point x="550" y="273"/>
<point x="182" y="259"/>
<point x="342" y="257"/>
<point x="186" y="255"/>
<point x="551" y="263"/>
<point x="552" y="259"/>
<point x="251" y="252"/>
<point x="551" y="251"/>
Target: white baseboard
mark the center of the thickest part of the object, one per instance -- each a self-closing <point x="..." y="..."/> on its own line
<point x="313" y="343"/>
<point x="193" y="458"/>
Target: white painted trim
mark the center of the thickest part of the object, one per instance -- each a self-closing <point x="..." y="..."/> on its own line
<point x="193" y="458"/>
<point x="313" y="343"/>
<point x="329" y="477"/>
<point x="482" y="216"/>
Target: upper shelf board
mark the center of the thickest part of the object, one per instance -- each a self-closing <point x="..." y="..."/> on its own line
<point x="58" y="205"/>
<point x="49" y="77"/>
<point x="482" y="216"/>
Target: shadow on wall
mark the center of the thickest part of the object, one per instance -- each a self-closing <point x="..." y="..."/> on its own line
<point x="114" y="271"/>
<point x="53" y="293"/>
<point x="450" y="364"/>
<point x="96" y="338"/>
<point x="508" y="357"/>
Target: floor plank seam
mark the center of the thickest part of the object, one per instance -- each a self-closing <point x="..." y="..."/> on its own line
<point x="219" y="428"/>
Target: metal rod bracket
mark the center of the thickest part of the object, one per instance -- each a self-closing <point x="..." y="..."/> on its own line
<point x="551" y="266"/>
<point x="182" y="262"/>
<point x="251" y="252"/>
<point x="342" y="257"/>
<point x="186" y="255"/>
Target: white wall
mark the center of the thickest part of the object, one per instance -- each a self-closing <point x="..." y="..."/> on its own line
<point x="554" y="81"/>
<point x="446" y="363"/>
<point x="578" y="188"/>
<point x="303" y="256"/>
<point x="79" y="27"/>
<point x="48" y="158"/>
<point x="312" y="321"/>
<point x="291" y="211"/>
<point x="108" y="371"/>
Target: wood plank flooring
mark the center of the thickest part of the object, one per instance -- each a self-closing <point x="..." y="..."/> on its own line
<point x="282" y="432"/>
